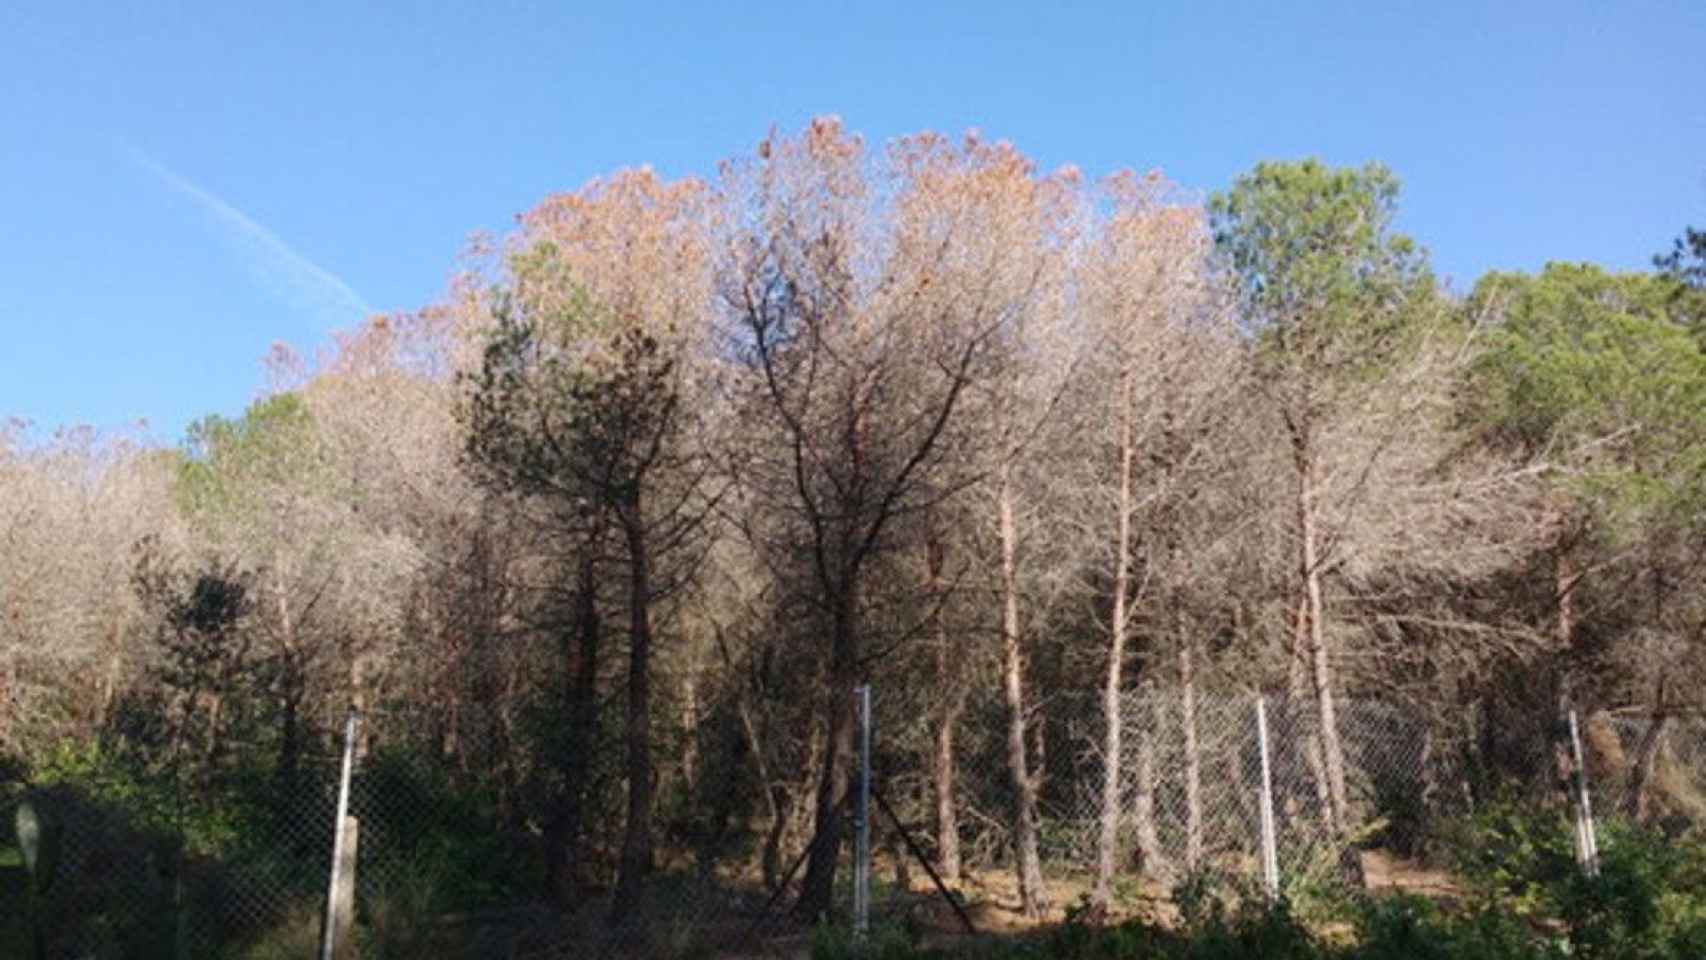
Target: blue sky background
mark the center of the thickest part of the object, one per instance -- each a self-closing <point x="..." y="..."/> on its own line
<point x="183" y="184"/>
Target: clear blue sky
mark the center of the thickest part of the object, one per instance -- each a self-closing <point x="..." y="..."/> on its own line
<point x="182" y="184"/>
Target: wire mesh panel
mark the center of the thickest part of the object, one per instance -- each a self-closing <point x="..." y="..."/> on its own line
<point x="139" y="866"/>
<point x="1189" y="779"/>
<point x="452" y="837"/>
<point x="1650" y="768"/>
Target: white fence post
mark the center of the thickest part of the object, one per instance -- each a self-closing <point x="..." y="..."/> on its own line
<point x="340" y="889"/>
<point x="1270" y="854"/>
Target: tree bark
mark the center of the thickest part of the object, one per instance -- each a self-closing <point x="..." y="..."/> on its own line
<point x="1153" y="860"/>
<point x="1320" y="656"/>
<point x="817" y="893"/>
<point x="1193" y="756"/>
<point x="1298" y="726"/>
<point x="690" y="723"/>
<point x="1028" y="864"/>
<point x="770" y="857"/>
<point x="1107" y="844"/>
<point x="580" y="652"/>
<point x="1637" y="804"/>
<point x="948" y="863"/>
<point x="636" y="861"/>
<point x="291" y="696"/>
<point x="1564" y="581"/>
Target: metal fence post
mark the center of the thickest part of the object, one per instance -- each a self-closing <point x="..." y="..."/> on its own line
<point x="1587" y="832"/>
<point x="862" y="845"/>
<point x="1270" y="852"/>
<point x="328" y="939"/>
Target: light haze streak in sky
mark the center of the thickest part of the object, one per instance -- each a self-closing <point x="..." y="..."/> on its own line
<point x="289" y="275"/>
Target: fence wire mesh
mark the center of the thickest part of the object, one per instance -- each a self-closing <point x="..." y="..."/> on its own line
<point x="232" y="860"/>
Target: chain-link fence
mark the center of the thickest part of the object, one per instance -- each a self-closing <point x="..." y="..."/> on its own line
<point x="1192" y="786"/>
<point x="234" y="860"/>
<point x="126" y="862"/>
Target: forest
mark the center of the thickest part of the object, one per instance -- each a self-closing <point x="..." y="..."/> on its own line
<point x="600" y="544"/>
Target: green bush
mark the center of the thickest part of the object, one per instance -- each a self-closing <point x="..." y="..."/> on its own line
<point x="1414" y="928"/>
<point x="432" y="844"/>
<point x="883" y="941"/>
<point x="1648" y="901"/>
<point x="1516" y="855"/>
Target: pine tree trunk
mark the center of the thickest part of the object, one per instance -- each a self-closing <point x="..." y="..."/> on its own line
<point x="580" y="652"/>
<point x="1563" y="758"/>
<point x="1637" y="803"/>
<point x="1320" y="656"/>
<point x="948" y="674"/>
<point x="770" y="856"/>
<point x="1193" y="755"/>
<point x="948" y="863"/>
<point x="817" y="894"/>
<point x="1298" y="727"/>
<point x="1154" y="861"/>
<point x="1107" y="842"/>
<point x="690" y="724"/>
<point x="636" y="861"/>
<point x="1033" y="899"/>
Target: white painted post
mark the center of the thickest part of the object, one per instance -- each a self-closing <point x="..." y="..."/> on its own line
<point x="862" y="846"/>
<point x="1270" y="852"/>
<point x="329" y="936"/>
<point x="1584" y="803"/>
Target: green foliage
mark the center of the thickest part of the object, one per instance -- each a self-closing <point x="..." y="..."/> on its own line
<point x="230" y="463"/>
<point x="883" y="941"/>
<point x="438" y="845"/>
<point x="1649" y="899"/>
<point x="1593" y="366"/>
<point x="1646" y="902"/>
<point x="1252" y="930"/>
<point x="1515" y="855"/>
<point x="568" y="403"/>
<point x="110" y="778"/>
<point x="1530" y="902"/>
<point x="1327" y="284"/>
<point x="1414" y="928"/>
<point x="1685" y="269"/>
<point x="1207" y="897"/>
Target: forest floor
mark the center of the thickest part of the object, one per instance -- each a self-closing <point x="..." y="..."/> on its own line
<point x="990" y="900"/>
<point x="994" y="907"/>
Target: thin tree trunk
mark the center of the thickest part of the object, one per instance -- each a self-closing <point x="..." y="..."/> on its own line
<point x="770" y="858"/>
<point x="950" y="676"/>
<point x="1033" y="899"/>
<point x="215" y="742"/>
<point x="580" y="652"/>
<point x="1153" y="860"/>
<point x="114" y="673"/>
<point x="1320" y="656"/>
<point x="690" y="723"/>
<point x="290" y="742"/>
<point x="817" y="893"/>
<point x="636" y="861"/>
<point x="1193" y="756"/>
<point x="1107" y="844"/>
<point x="290" y="734"/>
<point x="8" y="683"/>
<point x="949" y="864"/>
<point x="1299" y="728"/>
<point x="1563" y="758"/>
<point x="804" y="804"/>
<point x="1637" y="804"/>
